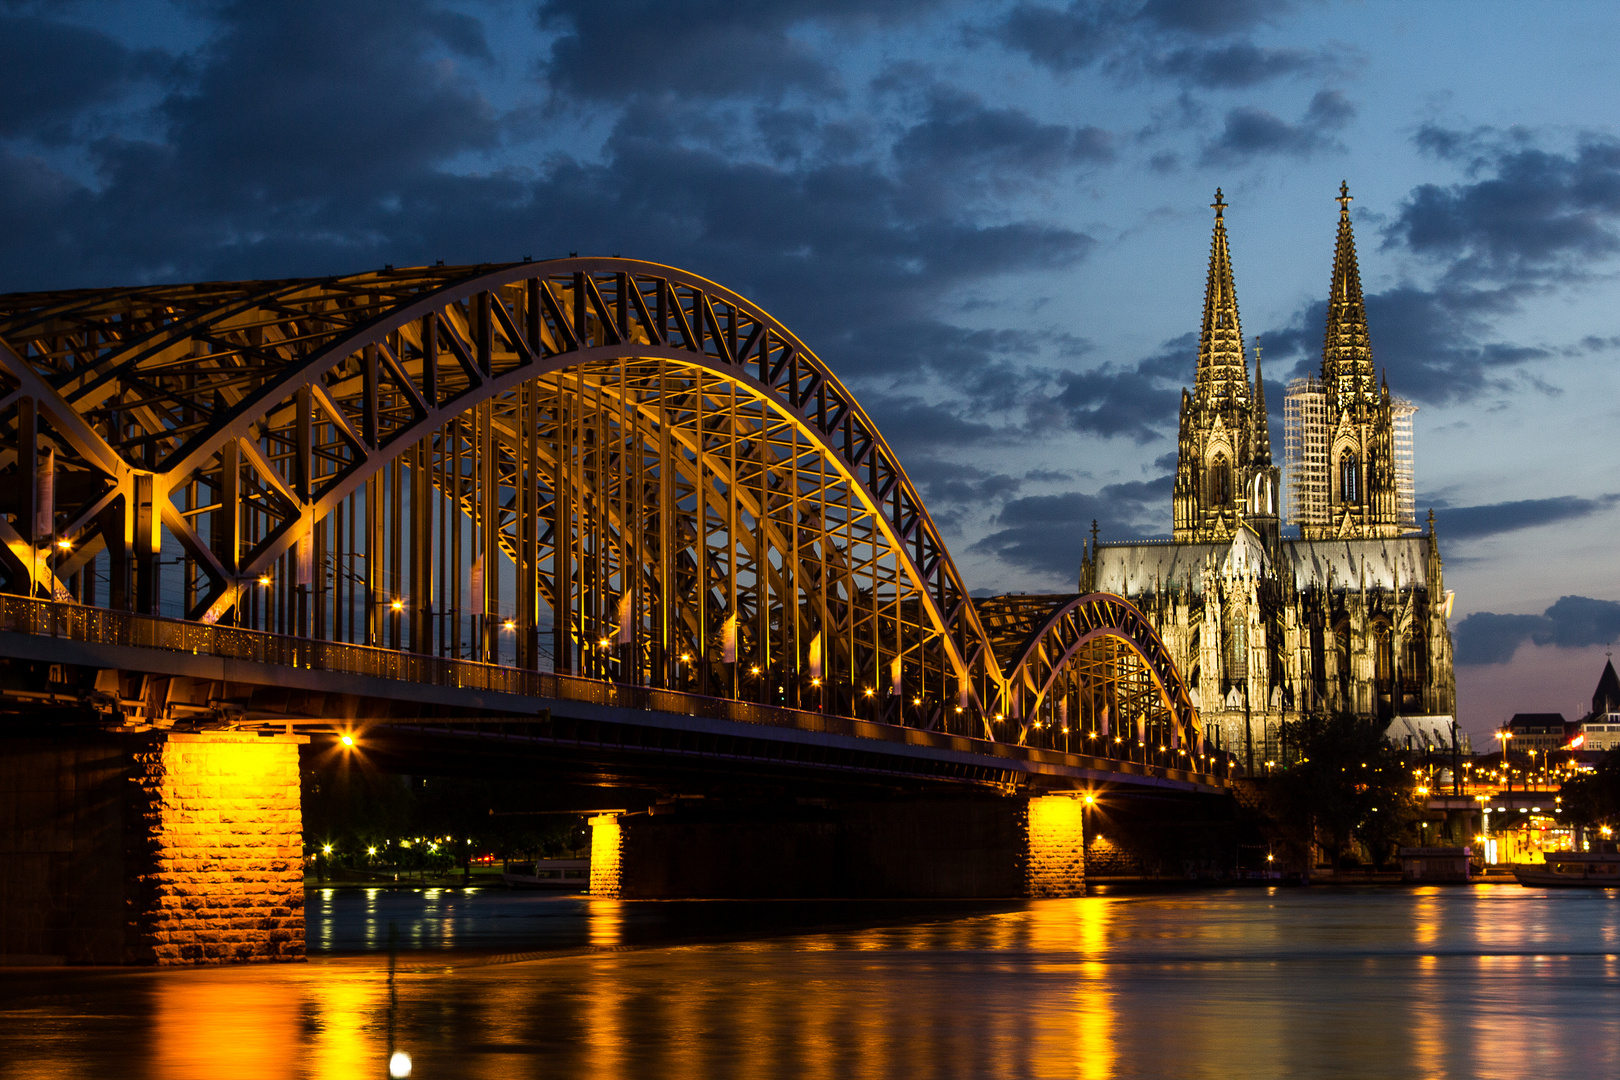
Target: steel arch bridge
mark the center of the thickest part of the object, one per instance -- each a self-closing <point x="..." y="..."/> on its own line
<point x="611" y="467"/>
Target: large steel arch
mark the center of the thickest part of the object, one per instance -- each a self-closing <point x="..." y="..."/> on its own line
<point x="239" y="428"/>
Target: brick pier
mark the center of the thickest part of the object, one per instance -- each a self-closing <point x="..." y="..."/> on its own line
<point x="151" y="848"/>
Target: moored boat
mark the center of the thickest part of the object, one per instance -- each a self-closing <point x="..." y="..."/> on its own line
<point x="1577" y="869"/>
<point x="563" y="875"/>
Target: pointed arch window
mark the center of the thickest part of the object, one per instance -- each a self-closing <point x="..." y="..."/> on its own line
<point x="1349" y="478"/>
<point x="1220" y="481"/>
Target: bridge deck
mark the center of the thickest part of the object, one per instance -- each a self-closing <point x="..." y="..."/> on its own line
<point x="468" y="697"/>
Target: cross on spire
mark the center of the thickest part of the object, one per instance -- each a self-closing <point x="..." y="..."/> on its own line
<point x="1345" y="198"/>
<point x="1219" y="204"/>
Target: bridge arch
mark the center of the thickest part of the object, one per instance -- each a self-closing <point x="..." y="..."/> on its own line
<point x="288" y="445"/>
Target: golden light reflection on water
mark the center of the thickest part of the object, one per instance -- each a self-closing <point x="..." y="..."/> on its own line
<point x="207" y="1024"/>
<point x="1261" y="984"/>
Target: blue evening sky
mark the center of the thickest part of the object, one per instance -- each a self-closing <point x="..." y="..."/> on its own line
<point x="991" y="219"/>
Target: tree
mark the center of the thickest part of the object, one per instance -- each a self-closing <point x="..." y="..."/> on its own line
<point x="1593" y="799"/>
<point x="1349" y="784"/>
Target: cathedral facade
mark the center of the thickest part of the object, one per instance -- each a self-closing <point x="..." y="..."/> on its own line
<point x="1348" y="617"/>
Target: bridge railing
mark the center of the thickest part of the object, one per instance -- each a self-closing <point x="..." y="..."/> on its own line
<point x="101" y="626"/>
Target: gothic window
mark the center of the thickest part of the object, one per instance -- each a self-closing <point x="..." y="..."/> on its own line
<point x="1237" y="647"/>
<point x="1220" y="482"/>
<point x="1349" y="487"/>
<point x="1383" y="656"/>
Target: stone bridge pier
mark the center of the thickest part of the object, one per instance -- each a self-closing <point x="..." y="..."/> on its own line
<point x="937" y="847"/>
<point x="157" y="847"/>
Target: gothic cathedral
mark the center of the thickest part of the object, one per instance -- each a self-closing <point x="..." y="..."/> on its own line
<point x="1347" y="617"/>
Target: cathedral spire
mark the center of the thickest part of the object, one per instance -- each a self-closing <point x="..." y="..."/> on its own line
<point x="1222" y="373"/>
<point x="1260" y="440"/>
<point x="1347" y="366"/>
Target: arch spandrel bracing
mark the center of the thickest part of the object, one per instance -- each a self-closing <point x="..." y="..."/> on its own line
<point x="612" y="467"/>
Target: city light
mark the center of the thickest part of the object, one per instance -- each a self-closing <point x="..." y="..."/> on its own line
<point x="399" y="1065"/>
<point x="326" y="849"/>
<point x="347" y="740"/>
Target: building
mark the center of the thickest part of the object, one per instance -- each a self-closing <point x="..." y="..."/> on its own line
<point x="1600" y="728"/>
<point x="1537" y="733"/>
<point x="1350" y="616"/>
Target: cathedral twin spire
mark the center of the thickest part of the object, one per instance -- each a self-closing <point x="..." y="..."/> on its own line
<point x="1224" y="476"/>
<point x="1347" y="364"/>
<point x="1225" y="479"/>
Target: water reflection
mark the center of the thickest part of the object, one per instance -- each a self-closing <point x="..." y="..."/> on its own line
<point x="1435" y="982"/>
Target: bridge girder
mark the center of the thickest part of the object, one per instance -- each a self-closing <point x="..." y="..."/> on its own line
<point x="602" y="406"/>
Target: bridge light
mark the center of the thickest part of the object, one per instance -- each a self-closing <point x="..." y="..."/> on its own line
<point x="264" y="579"/>
<point x="1090" y="798"/>
<point x="65" y="544"/>
<point x="326" y="849"/>
<point x="815" y="682"/>
<point x="602" y="643"/>
<point x="999" y="718"/>
<point x="959" y="708"/>
<point x="686" y="658"/>
<point x="399" y="1065"/>
<point x="916" y="701"/>
<point x="509" y="625"/>
<point x="371" y="851"/>
<point x="868" y="691"/>
<point x="398" y="605"/>
<point x="754" y="670"/>
<point x="347" y="740"/>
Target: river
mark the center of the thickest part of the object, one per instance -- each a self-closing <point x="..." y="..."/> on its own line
<point x="1481" y="981"/>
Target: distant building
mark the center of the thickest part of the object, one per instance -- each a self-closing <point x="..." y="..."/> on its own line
<point x="1538" y="732"/>
<point x="1350" y="617"/>
<point x="1600" y="728"/>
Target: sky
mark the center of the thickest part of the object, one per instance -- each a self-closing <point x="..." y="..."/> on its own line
<point x="991" y="220"/>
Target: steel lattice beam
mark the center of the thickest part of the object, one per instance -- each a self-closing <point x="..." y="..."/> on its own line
<point x="429" y="458"/>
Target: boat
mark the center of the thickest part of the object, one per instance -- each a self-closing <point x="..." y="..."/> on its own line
<point x="559" y="875"/>
<point x="1576" y="869"/>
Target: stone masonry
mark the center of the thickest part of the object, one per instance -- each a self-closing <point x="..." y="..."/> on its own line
<point x="1056" y="860"/>
<point x="216" y="850"/>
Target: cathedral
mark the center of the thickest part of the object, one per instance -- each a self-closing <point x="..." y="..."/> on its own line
<point x="1347" y="617"/>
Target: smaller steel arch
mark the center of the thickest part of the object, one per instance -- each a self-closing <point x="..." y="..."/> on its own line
<point x="1079" y="620"/>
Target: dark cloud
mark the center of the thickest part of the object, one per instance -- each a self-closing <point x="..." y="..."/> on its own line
<point x="51" y="71"/>
<point x="1474" y="522"/>
<point x="612" y="49"/>
<point x="282" y="112"/>
<point x="1533" y="213"/>
<point x="1249" y="132"/>
<point x="1043" y="533"/>
<point x="1236" y="66"/>
<point x="1436" y="343"/>
<point x="1210" y="19"/>
<point x="960" y="136"/>
<point x="1528" y="220"/>
<point x="1574" y="622"/>
<point x="256" y="173"/>
<point x="1139" y="401"/>
<point x="1175" y="40"/>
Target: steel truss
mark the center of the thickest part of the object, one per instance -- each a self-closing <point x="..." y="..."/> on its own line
<point x="614" y="466"/>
